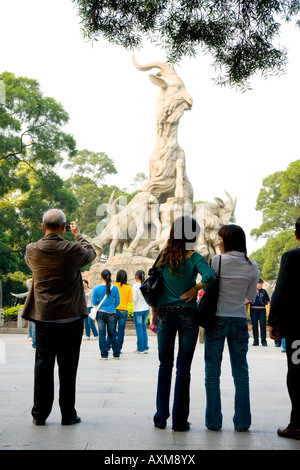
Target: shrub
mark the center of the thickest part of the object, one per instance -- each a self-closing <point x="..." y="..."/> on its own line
<point x="11" y="314"/>
<point x="130" y="310"/>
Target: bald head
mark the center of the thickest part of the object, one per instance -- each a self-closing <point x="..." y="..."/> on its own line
<point x="53" y="220"/>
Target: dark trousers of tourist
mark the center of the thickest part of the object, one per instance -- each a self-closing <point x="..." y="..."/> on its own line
<point x="61" y="342"/>
<point x="293" y="378"/>
<point x="258" y="316"/>
<point x="171" y="321"/>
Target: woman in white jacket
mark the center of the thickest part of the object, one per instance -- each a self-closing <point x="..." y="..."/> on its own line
<point x="140" y="314"/>
<point x="238" y="284"/>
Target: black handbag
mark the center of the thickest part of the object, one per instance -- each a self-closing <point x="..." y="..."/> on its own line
<point x="151" y="287"/>
<point x="208" y="304"/>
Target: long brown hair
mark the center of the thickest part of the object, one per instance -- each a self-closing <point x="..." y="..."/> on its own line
<point x="183" y="235"/>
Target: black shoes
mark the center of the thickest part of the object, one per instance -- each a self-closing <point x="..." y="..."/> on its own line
<point x="38" y="422"/>
<point x="64" y="422"/>
<point x="185" y="428"/>
<point x="164" y="424"/>
<point x="68" y="422"/>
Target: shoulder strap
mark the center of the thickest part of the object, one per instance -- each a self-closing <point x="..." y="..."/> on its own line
<point x="219" y="266"/>
<point x="157" y="259"/>
<point x="101" y="302"/>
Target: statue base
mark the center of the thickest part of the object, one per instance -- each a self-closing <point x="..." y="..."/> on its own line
<point x="127" y="261"/>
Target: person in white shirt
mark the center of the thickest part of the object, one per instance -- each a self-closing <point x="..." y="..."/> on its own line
<point x="140" y="314"/>
<point x="88" y="322"/>
<point x="238" y="283"/>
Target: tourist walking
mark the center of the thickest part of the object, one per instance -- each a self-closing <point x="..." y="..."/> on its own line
<point x="88" y="322"/>
<point x="140" y="314"/>
<point x="109" y="298"/>
<point x="259" y="310"/>
<point x="284" y="319"/>
<point x="56" y="303"/>
<point x="125" y="292"/>
<point x="178" y="315"/>
<point x="238" y="282"/>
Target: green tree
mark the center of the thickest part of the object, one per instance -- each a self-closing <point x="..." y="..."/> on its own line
<point x="31" y="132"/>
<point x="32" y="143"/>
<point x="240" y="35"/>
<point x="95" y="165"/>
<point x="88" y="171"/>
<point x="279" y="202"/>
<point x="268" y="257"/>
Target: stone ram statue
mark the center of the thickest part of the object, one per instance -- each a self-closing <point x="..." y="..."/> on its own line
<point x="172" y="101"/>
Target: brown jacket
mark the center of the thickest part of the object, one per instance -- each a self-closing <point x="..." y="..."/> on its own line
<point x="57" y="292"/>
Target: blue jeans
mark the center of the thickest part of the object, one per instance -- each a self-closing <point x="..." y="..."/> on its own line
<point x="121" y="319"/>
<point x="32" y="333"/>
<point x="258" y="315"/>
<point x="236" y="331"/>
<point x="107" y="321"/>
<point x="90" y="325"/>
<point x="140" y="323"/>
<point x="173" y="320"/>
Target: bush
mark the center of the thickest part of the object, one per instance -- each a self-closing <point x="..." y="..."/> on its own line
<point x="11" y="314"/>
<point x="130" y="310"/>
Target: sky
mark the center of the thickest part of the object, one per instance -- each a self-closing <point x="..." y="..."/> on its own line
<point x="231" y="140"/>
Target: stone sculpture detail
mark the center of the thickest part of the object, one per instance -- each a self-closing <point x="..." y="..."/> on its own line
<point x="137" y="231"/>
<point x="172" y="101"/>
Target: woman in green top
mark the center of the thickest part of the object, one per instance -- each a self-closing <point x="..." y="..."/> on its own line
<point x="177" y="313"/>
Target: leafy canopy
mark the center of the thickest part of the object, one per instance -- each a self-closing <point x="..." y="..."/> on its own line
<point x="239" y="34"/>
<point x="279" y="202"/>
<point x="32" y="143"/>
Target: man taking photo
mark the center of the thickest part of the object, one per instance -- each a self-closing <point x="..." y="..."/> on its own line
<point x="56" y="303"/>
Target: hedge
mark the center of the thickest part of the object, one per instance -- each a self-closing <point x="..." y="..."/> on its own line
<point x="11" y="314"/>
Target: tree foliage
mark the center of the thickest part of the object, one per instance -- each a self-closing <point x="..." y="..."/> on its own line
<point x="279" y="202"/>
<point x="269" y="256"/>
<point x="239" y="34"/>
<point x="31" y="132"/>
<point x="32" y="143"/>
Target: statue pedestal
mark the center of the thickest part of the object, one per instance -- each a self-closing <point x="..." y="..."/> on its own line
<point x="127" y="261"/>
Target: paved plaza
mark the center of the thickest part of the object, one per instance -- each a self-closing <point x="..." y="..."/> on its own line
<point x="116" y="402"/>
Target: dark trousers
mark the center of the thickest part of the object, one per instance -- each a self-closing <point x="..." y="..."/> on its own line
<point x="60" y="341"/>
<point x="258" y="315"/>
<point x="293" y="378"/>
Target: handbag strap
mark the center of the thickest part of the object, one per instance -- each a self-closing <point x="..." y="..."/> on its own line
<point x="219" y="266"/>
<point x="157" y="258"/>
<point x="101" y="302"/>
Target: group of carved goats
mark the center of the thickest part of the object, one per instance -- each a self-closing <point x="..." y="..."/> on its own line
<point x="134" y="224"/>
<point x="144" y="223"/>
